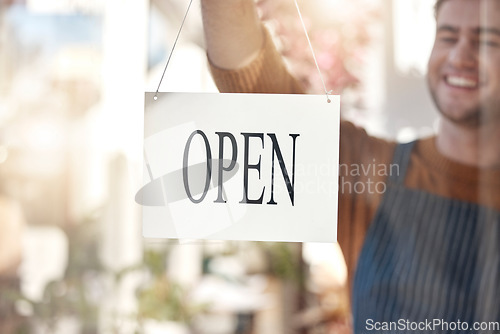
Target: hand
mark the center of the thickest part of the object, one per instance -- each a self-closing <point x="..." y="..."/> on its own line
<point x="233" y="32"/>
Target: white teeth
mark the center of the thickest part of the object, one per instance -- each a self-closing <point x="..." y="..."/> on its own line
<point x="461" y="82"/>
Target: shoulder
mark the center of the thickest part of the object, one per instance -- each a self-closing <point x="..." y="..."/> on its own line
<point x="357" y="146"/>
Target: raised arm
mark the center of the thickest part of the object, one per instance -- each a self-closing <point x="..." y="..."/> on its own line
<point x="242" y="57"/>
<point x="233" y="32"/>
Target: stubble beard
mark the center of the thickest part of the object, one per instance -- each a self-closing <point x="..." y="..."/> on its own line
<point x="473" y="118"/>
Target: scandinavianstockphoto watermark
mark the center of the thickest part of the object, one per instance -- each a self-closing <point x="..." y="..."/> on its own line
<point x="435" y="325"/>
<point x="355" y="178"/>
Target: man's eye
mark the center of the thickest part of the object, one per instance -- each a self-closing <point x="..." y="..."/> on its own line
<point x="490" y="43"/>
<point x="448" y="40"/>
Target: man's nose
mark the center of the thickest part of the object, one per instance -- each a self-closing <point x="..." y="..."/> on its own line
<point x="464" y="54"/>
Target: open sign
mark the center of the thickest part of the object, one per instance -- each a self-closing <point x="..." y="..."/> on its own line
<point x="240" y="167"/>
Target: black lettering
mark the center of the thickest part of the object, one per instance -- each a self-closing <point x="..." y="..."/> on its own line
<point x="185" y="166"/>
<point x="247" y="166"/>
<point x="221" y="161"/>
<point x="289" y="185"/>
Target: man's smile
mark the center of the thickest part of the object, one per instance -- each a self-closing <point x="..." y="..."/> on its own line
<point x="460" y="81"/>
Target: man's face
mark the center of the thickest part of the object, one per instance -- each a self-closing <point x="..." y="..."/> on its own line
<point x="464" y="66"/>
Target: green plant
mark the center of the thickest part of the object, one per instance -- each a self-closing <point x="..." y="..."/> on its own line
<point x="161" y="299"/>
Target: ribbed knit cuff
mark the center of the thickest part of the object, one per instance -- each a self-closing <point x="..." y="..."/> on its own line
<point x="265" y="74"/>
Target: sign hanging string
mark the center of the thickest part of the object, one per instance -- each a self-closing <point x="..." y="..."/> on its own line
<point x="173" y="48"/>
<point x="327" y="92"/>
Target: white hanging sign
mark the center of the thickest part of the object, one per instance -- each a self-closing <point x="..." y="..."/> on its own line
<point x="260" y="167"/>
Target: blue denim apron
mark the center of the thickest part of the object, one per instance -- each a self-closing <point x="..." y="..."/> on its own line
<point x="427" y="259"/>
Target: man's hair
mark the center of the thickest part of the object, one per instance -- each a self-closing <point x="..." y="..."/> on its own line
<point x="437" y="6"/>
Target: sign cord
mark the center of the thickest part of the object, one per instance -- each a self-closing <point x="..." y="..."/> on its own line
<point x="303" y="26"/>
<point x="312" y="52"/>
<point x="173" y="48"/>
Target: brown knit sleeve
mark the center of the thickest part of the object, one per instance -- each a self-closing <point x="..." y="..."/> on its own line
<point x="267" y="73"/>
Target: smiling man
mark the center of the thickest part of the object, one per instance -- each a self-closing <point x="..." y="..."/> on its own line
<point x="424" y="256"/>
<point x="464" y="80"/>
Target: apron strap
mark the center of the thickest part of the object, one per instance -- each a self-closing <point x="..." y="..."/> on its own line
<point x="401" y="159"/>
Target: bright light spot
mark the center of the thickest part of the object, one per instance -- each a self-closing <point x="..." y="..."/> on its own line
<point x="4" y="154"/>
<point x="65" y="6"/>
<point x="414" y="30"/>
<point x="45" y="136"/>
<point x="407" y="134"/>
<point x="328" y="257"/>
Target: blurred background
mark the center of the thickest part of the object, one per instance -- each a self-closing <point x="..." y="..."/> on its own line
<point x="72" y="79"/>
